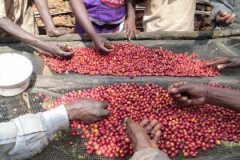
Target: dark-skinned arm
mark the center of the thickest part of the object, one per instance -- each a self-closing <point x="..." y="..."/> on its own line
<point x="20" y="34"/>
<point x="42" y="6"/>
<point x="130" y="24"/>
<point x="187" y="93"/>
<point x="228" y="98"/>
<point x="82" y="18"/>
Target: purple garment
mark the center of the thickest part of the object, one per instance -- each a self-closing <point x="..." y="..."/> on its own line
<point x="100" y="12"/>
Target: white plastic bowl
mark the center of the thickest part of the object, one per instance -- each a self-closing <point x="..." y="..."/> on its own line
<point x="15" y="74"/>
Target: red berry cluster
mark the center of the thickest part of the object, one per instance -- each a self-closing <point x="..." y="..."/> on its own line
<point x="132" y="60"/>
<point x="185" y="130"/>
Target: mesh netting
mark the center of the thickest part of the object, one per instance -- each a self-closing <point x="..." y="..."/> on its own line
<point x="55" y="86"/>
<point x="60" y="148"/>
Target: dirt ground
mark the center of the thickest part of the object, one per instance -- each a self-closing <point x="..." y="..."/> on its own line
<point x="65" y="19"/>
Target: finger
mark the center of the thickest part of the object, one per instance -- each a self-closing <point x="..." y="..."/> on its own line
<point x="108" y="45"/>
<point x="152" y="124"/>
<point x="64" y="47"/>
<point x="185" y="88"/>
<point x="101" y="104"/>
<point x="66" y="54"/>
<point x="234" y="18"/>
<point x="189" y="102"/>
<point x="126" y="28"/>
<point x="156" y="129"/>
<point x="173" y="89"/>
<point x="104" y="104"/>
<point x="144" y="122"/>
<point x="183" y="103"/>
<point x="137" y="32"/>
<point x="223" y="66"/>
<point x="129" y="122"/>
<point x="183" y="99"/>
<point x="217" y="60"/>
<point x="129" y="36"/>
<point x="106" y="50"/>
<point x="225" y="18"/>
<point x="179" y="84"/>
<point x="230" y="19"/>
<point x="176" y="96"/>
<point x="157" y="136"/>
<point x="103" y="113"/>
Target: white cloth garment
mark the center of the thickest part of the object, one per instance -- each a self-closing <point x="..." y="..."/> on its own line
<point x="150" y="154"/>
<point x="19" y="12"/>
<point x="28" y="135"/>
<point x="169" y="15"/>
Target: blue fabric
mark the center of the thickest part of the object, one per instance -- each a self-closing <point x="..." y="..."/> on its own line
<point x="100" y="12"/>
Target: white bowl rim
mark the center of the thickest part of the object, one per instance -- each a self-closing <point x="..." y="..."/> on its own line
<point x="30" y="69"/>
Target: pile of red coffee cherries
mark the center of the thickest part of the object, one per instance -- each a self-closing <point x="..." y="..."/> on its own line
<point x="132" y="60"/>
<point x="184" y="130"/>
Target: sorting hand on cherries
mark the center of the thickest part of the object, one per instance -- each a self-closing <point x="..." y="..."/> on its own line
<point x="222" y="63"/>
<point x="86" y="110"/>
<point x="185" y="93"/>
<point x="183" y="129"/>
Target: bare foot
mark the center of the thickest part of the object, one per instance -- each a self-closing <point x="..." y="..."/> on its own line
<point x="138" y="134"/>
<point x="55" y="32"/>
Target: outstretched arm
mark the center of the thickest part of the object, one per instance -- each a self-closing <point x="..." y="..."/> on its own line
<point x="28" y="135"/>
<point x="42" y="6"/>
<point x="130" y="24"/>
<point x="222" y="63"/>
<point x="185" y="93"/>
<point x="20" y="34"/>
<point x="228" y="98"/>
<point x="82" y="18"/>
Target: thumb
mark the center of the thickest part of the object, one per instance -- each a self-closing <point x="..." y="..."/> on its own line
<point x="129" y="122"/>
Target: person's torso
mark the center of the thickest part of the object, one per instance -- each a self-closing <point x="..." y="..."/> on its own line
<point x="169" y="15"/>
<point x="19" y="12"/>
<point x="16" y="9"/>
<point x="106" y="11"/>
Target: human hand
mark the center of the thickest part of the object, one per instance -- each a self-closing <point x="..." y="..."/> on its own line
<point x="224" y="62"/>
<point x="224" y="18"/>
<point x="138" y="133"/>
<point x="130" y="28"/>
<point x="185" y="93"/>
<point x="58" y="50"/>
<point x="86" y="110"/>
<point x="55" y="32"/>
<point x="102" y="45"/>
